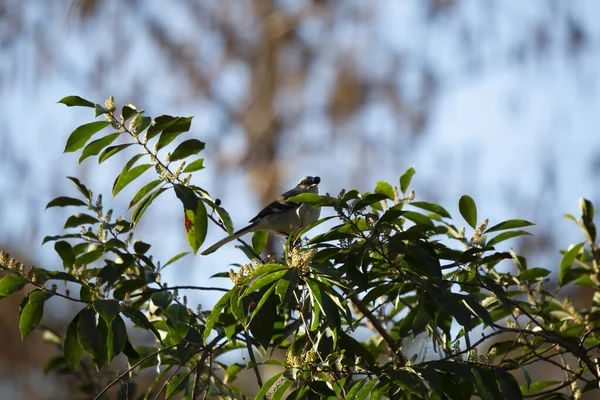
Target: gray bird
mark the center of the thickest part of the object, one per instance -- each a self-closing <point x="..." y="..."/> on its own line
<point x="281" y="216"/>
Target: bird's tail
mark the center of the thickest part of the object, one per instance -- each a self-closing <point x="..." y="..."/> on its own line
<point x="233" y="236"/>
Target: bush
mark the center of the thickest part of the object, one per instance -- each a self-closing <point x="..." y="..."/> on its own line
<point x="346" y="306"/>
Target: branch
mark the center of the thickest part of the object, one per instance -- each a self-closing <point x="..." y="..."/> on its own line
<point x="391" y="343"/>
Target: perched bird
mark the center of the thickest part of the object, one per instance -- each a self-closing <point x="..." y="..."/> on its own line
<point x="281" y="216"/>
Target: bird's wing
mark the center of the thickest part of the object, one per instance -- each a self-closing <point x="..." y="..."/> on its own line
<point x="280" y="205"/>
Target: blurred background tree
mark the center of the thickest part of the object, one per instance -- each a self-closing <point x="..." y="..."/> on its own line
<point x="497" y="99"/>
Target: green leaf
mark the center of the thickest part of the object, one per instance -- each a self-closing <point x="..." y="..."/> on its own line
<point x="81" y="187"/>
<point x="89" y="257"/>
<point x="140" y="123"/>
<point x="175" y="258"/>
<point x="177" y="321"/>
<point x="533" y="274"/>
<point x="82" y="134"/>
<point x="225" y="219"/>
<point x="140" y="247"/>
<point x="87" y="332"/>
<point x="96" y="146"/>
<point x="72" y="349"/>
<point x="117" y="338"/>
<point x="162" y="299"/>
<point x="111" y="151"/>
<point x="126" y="177"/>
<point x="187" y="148"/>
<point x="65" y="201"/>
<point x="128" y="111"/>
<point x="406" y="178"/>
<point x="385" y="189"/>
<point x="510" y="224"/>
<point x="537" y="386"/>
<point x="508" y="384"/>
<point x="267" y="386"/>
<point x="434" y="208"/>
<point x="215" y="313"/>
<point x="76" y="101"/>
<point x="32" y="311"/>
<point x="10" y="284"/>
<point x="259" y="241"/>
<point x="143" y="192"/>
<point x="195" y="216"/>
<point x="80" y="219"/>
<point x="468" y="210"/>
<point x="159" y="124"/>
<point x="564" y="276"/>
<point x="179" y="126"/>
<point x="138" y="318"/>
<point x="65" y="252"/>
<point x="176" y="384"/>
<point x="108" y="309"/>
<point x="99" y="110"/>
<point x="194" y="166"/>
<point x="504" y="236"/>
<point x="144" y="204"/>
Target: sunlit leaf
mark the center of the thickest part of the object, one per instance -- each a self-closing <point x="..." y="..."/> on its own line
<point x="82" y="134"/>
<point x="187" y="148"/>
<point x="128" y="177"/>
<point x="32" y="311"/>
<point x="76" y="101"/>
<point x="406" y="178"/>
<point x="96" y="146"/>
<point x="468" y="210"/>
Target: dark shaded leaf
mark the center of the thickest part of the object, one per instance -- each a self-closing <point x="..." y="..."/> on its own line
<point x="81" y="187"/>
<point x="108" y="309"/>
<point x="80" y="219"/>
<point x="138" y="318"/>
<point x="87" y="332"/>
<point x="72" y="349"/>
<point x="65" y="201"/>
<point x="117" y="339"/>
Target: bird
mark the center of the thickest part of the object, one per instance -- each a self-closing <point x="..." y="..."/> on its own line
<point x="281" y="216"/>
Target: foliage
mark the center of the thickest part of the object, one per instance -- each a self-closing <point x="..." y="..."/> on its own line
<point x="346" y="306"/>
